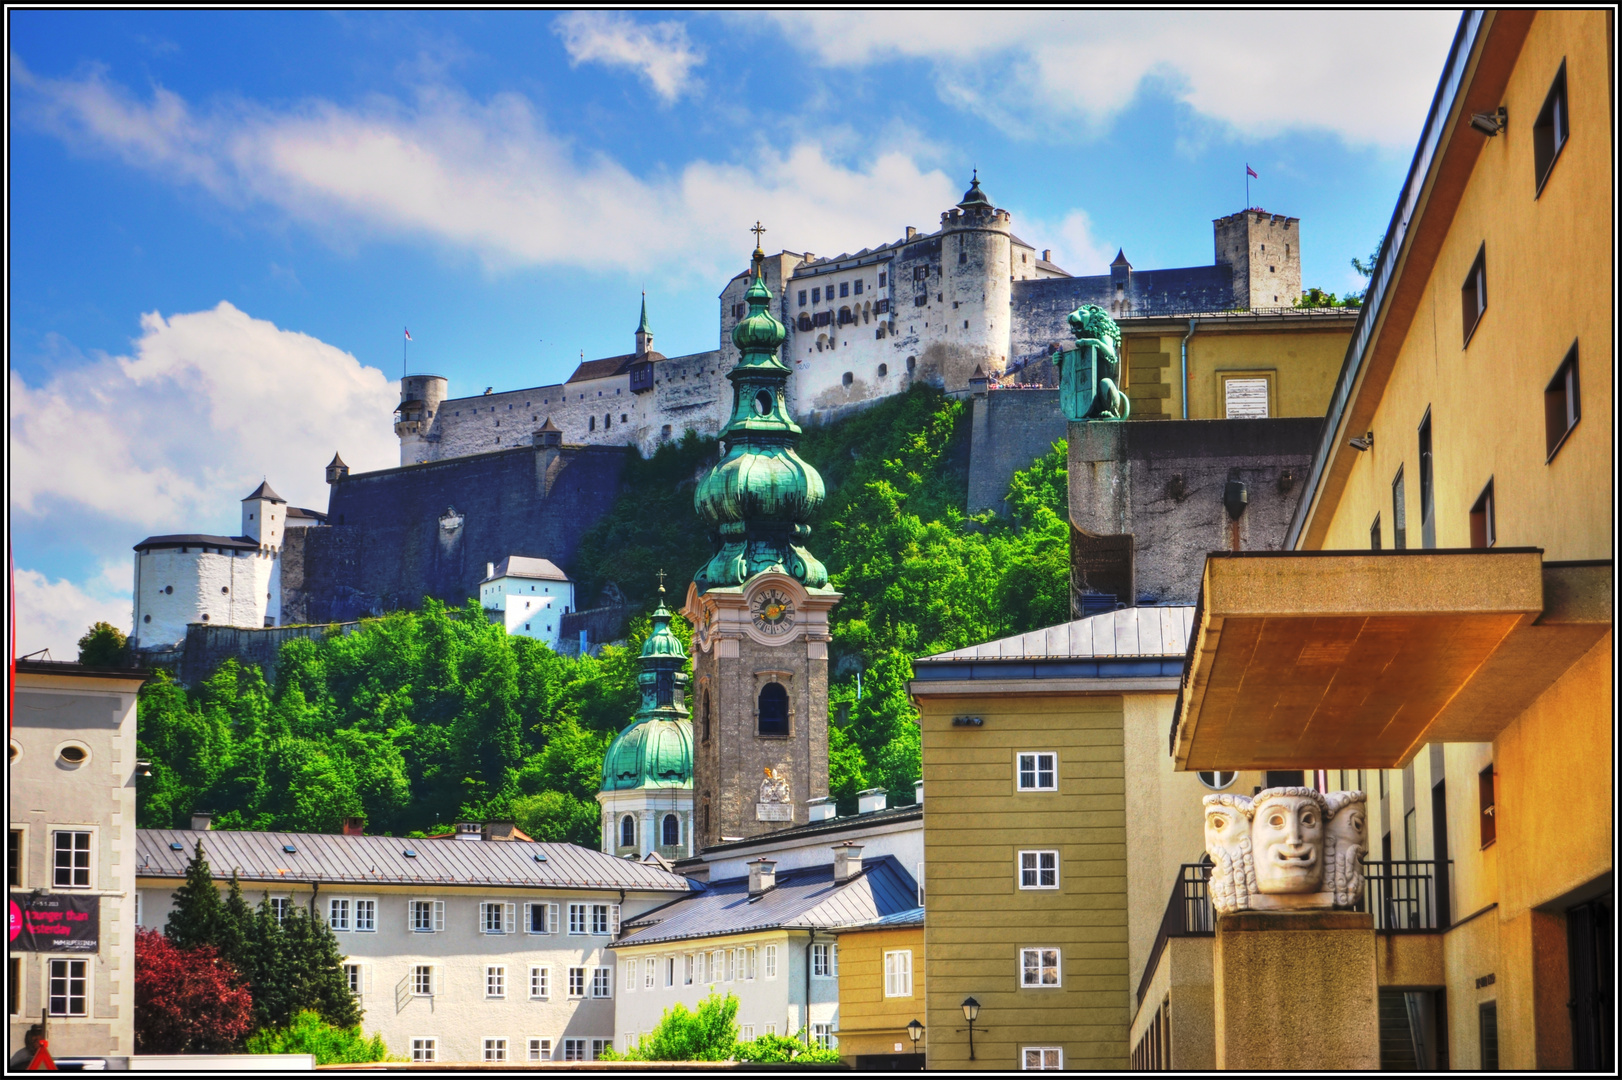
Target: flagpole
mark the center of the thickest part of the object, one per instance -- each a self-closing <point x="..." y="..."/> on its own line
<point x="1247" y="185"/>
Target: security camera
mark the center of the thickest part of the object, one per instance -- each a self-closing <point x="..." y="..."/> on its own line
<point x="1490" y="124"/>
<point x="1362" y="442"/>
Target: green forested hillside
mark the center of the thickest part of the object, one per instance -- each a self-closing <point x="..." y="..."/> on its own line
<point x="420" y="718"/>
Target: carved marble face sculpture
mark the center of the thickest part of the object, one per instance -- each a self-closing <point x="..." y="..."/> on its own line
<point x="1286" y="834"/>
<point x="1226" y="828"/>
<point x="1227" y="842"/>
<point x="1346" y="844"/>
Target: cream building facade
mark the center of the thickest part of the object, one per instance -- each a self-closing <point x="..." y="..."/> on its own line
<point x="529" y="597"/>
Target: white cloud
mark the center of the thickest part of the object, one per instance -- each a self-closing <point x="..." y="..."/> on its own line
<point x="1075" y="248"/>
<point x="171" y="438"/>
<point x="1366" y="76"/>
<point x="660" y="52"/>
<point x="488" y="177"/>
<point x="55" y="614"/>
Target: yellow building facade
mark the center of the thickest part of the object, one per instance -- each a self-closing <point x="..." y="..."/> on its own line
<point x="1442" y="631"/>
<point x="881" y="992"/>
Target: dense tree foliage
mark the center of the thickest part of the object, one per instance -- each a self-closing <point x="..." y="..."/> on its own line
<point x="104" y="645"/>
<point x="710" y="1033"/>
<point x="420" y="718"/>
<point x="331" y="1045"/>
<point x="187" y="1000"/>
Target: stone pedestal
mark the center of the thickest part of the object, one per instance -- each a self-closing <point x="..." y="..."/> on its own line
<point x="1296" y="991"/>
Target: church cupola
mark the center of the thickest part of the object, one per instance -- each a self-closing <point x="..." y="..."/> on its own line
<point x="758" y="498"/>
<point x="644" y="332"/>
<point x="974" y="198"/>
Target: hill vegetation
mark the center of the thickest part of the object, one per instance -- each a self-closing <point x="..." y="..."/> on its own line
<point x="422" y="718"/>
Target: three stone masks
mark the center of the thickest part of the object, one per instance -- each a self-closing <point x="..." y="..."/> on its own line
<point x="1286" y="848"/>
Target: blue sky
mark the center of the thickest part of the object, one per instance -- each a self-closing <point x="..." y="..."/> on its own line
<point x="220" y="222"/>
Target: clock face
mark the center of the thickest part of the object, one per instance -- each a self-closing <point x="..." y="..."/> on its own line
<point x="772" y="612"/>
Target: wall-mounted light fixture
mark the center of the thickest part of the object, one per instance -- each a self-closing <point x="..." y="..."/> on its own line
<point x="967" y="721"/>
<point x="915" y="1031"/>
<point x="1362" y="442"/>
<point x="1490" y="124"/>
<point x="971" y="1012"/>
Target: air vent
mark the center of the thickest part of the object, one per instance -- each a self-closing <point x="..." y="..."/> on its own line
<point x="408" y="853"/>
<point x="539" y="857"/>
<point x="290" y="849"/>
<point x="176" y="847"/>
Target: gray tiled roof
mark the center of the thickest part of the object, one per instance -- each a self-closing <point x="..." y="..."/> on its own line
<point x="817" y="828"/>
<point x="913" y="916"/>
<point x="523" y="566"/>
<point x="805" y="897"/>
<point x="238" y="543"/>
<point x="324" y="857"/>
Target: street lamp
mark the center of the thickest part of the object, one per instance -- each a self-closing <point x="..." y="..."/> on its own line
<point x="971" y="1010"/>
<point x="915" y="1031"/>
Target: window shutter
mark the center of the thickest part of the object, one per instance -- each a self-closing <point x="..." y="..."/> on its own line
<point x="366" y="978"/>
<point x="439" y="916"/>
<point x="614" y="919"/>
<point x="509" y="918"/>
<point x="551" y="918"/>
<point x="833" y="959"/>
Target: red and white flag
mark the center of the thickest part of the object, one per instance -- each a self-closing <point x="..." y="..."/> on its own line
<point x="408" y="332"/>
<point x="1248" y="172"/>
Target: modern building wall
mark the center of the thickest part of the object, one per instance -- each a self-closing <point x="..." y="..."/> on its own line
<point x="90" y="711"/>
<point x="872" y="1019"/>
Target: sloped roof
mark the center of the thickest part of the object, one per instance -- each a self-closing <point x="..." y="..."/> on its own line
<point x="352" y="860"/>
<point x="913" y="916"/>
<point x="303" y="512"/>
<point x="522" y="566"/>
<point x="338" y="461"/>
<point x="804" y="897"/>
<point x="263" y="491"/>
<point x="241" y="543"/>
<point x="891" y="814"/>
<point x="609" y="366"/>
<point x="1135" y="631"/>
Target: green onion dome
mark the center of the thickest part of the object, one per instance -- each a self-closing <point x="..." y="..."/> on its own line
<point x="656" y="750"/>
<point x="759" y="331"/>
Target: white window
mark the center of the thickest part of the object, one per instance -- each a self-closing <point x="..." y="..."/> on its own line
<point x="577" y="982"/>
<point x="649" y="974"/>
<point x="574" y="1049"/>
<point x="1042" y="1057"/>
<point x="746" y="1033"/>
<point x="69" y="989"/>
<point x="605" y="919"/>
<point x="602" y="982"/>
<point x="771" y="961"/>
<point x="137" y="909"/>
<point x="422" y="980"/>
<point x="687" y="970"/>
<point x="540" y="1049"/>
<point x="495" y="1049"/>
<point x="424" y="1050"/>
<point x="771" y="1029"/>
<point x="598" y="1046"/>
<point x="732" y="964"/>
<point x="427" y="916"/>
<point x="540" y="918"/>
<point x="71" y="861"/>
<point x="718" y="966"/>
<point x="1039" y="967"/>
<point x="670" y="971"/>
<point x="366" y="915"/>
<point x="825" y="960"/>
<point x="279" y="906"/>
<point x="1038" y="772"/>
<point x="898" y="973"/>
<point x="1039" y="869"/>
<point x="631" y="967"/>
<point x="701" y="966"/>
<point x="496" y="917"/>
<point x="338" y="914"/>
<point x="577" y="918"/>
<point x="352" y="976"/>
<point x="630" y="1040"/>
<point x="495" y="981"/>
<point x="540" y="982"/>
<point x="822" y="1036"/>
<point x="920" y="880"/>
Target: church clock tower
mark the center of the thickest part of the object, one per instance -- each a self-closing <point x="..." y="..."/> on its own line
<point x="759" y="607"/>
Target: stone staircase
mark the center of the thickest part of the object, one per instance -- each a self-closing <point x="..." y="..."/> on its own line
<point x="1396" y="1034"/>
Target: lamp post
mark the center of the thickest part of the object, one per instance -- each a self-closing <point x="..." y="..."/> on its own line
<point x="915" y="1031"/>
<point x="971" y="1010"/>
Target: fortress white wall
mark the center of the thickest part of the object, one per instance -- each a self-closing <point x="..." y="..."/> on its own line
<point x="176" y="586"/>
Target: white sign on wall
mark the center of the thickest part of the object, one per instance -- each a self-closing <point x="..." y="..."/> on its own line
<point x="1244" y="399"/>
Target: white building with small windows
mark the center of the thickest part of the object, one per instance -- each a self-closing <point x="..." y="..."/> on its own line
<point x="220" y="580"/>
<point x="527" y="596"/>
<point x="70" y="865"/>
<point x="475" y="947"/>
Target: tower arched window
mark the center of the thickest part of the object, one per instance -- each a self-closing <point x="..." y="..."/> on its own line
<point x="664" y="688"/>
<point x="706" y="716"/>
<point x="773" y="709"/>
<point x="672" y="831"/>
<point x="627" y="831"/>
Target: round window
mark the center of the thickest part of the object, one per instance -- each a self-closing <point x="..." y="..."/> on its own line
<point x="225" y="588"/>
<point x="16" y="751"/>
<point x="72" y="755"/>
<point x="1216" y="781"/>
<point x="168" y="589"/>
<point x="763" y="402"/>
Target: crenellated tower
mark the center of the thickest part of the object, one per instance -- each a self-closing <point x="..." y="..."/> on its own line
<point x="760" y="606"/>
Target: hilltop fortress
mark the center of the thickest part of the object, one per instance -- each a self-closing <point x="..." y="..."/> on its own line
<point x="969" y="299"/>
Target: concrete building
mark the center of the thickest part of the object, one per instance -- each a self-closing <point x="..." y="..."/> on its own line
<point x="882" y="990"/>
<point x="70" y="857"/>
<point x="1455" y="534"/>
<point x="475" y="947"/>
<point x="527" y="596"/>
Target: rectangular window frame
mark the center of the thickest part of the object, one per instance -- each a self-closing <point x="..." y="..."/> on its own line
<point x="822" y="1036"/>
<point x="1484" y="519"/>
<point x="1550" y="131"/>
<point x="427" y="916"/>
<point x="540" y="1050"/>
<point x="424" y="1049"/>
<point x="540" y="982"/>
<point x="577" y="920"/>
<point x="495" y="1048"/>
<point x="75" y="972"/>
<point x="14" y="986"/>
<point x="1041" y="968"/>
<point x="770" y="961"/>
<point x="1399" y="512"/>
<point x="355" y="979"/>
<point x="1427" y="484"/>
<point x="365" y="915"/>
<point x="577" y="983"/>
<point x="422" y="980"/>
<point x="495" y="982"/>
<point x="1473" y="295"/>
<point x="1374" y="534"/>
<point x="1036" y="771"/>
<point x="17" y="857"/>
<point x="1037" y="870"/>
<point x="598" y="1046"/>
<point x="574" y="1049"/>
<point x="78" y="877"/>
<point x="542" y="914"/>
<point x="339" y="909"/>
<point x="650" y="973"/>
<point x="898" y="973"/>
<point x="1487" y="786"/>
<point x="497" y="916"/>
<point x="1562" y="404"/>
<point x="1046" y="1058"/>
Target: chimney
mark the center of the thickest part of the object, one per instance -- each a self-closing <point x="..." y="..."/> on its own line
<point x="762" y="876"/>
<point x="469" y="830"/>
<point x="202" y="820"/>
<point x="911" y="232"/>
<point x="500" y="830"/>
<point x="489" y="570"/>
<point x="820" y="809"/>
<point x="354" y="826"/>
<point x="918" y="792"/>
<point x="870" y="800"/>
<point x="1047" y="254"/>
<point x="847" y="861"/>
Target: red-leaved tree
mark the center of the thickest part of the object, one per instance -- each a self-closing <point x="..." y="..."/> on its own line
<point x="187" y="1000"/>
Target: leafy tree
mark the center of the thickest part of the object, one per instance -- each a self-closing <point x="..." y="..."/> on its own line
<point x="708" y="1034"/>
<point x="331" y="1045"/>
<point x="197" y="915"/>
<point x="104" y="645"/>
<point x="784" y="1048"/>
<point x="186" y="1000"/>
<point x="1366" y="269"/>
<point x="234" y="938"/>
<point x="309" y="973"/>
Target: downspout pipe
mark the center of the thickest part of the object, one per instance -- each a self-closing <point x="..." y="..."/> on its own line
<point x="810" y="947"/>
<point x="1192" y="323"/>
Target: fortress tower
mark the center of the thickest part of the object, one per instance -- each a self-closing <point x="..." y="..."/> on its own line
<point x="1264" y="251"/>
<point x="420" y="398"/>
<point x="759" y="607"/>
<point x="976" y="281"/>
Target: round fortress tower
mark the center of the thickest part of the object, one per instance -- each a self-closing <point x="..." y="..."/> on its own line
<point x="976" y="287"/>
<point x="420" y="398"/>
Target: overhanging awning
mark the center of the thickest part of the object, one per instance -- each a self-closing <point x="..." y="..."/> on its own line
<point x="1310" y="660"/>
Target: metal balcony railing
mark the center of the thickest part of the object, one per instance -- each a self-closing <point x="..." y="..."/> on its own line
<point x="1188" y="914"/>
<point x="1403" y="895"/>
